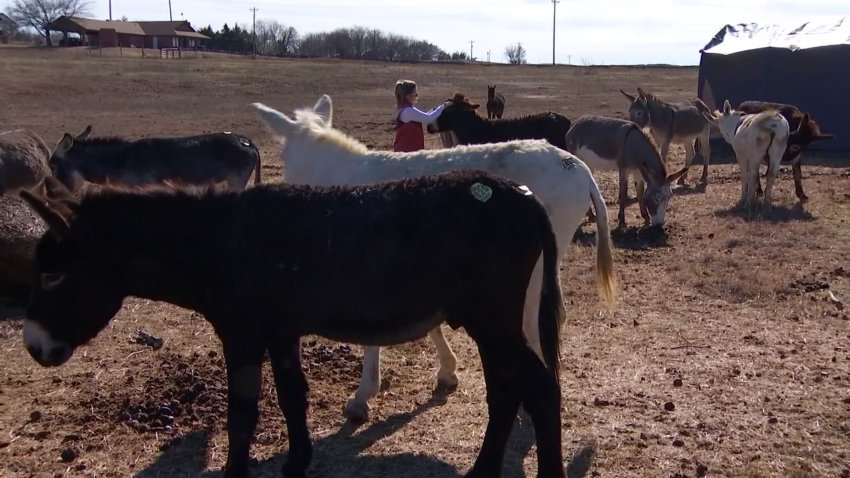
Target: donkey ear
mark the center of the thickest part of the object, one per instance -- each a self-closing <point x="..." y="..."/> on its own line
<point x="324" y="108"/>
<point x="55" y="190"/>
<point x="727" y="107"/>
<point x="710" y="117"/>
<point x="678" y="174"/>
<point x="630" y="97"/>
<point x="85" y="134"/>
<point x="57" y="216"/>
<point x="66" y="143"/>
<point x="804" y="123"/>
<point x="277" y="122"/>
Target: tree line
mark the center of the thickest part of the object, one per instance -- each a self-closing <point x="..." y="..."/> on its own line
<point x="271" y="38"/>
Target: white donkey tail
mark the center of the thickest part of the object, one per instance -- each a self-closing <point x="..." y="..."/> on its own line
<point x="277" y="122"/>
<point x="605" y="279"/>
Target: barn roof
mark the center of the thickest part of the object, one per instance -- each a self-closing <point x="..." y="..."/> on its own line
<point x="751" y="36"/>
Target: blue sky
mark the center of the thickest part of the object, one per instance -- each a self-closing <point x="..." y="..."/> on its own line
<point x="587" y="31"/>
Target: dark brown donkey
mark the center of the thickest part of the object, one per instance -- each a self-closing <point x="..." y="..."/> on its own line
<point x="804" y="131"/>
<point x="495" y="103"/>
<point x="378" y="265"/>
<point x="200" y="160"/>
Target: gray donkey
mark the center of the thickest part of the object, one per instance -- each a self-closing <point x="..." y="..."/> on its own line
<point x="23" y="160"/>
<point x="680" y="123"/>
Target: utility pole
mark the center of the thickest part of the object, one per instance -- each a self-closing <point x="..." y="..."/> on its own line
<point x="110" y="10"/>
<point x="169" y="11"/>
<point x="254" y="31"/>
<point x="488" y="56"/>
<point x="554" y="8"/>
<point x="470" y="49"/>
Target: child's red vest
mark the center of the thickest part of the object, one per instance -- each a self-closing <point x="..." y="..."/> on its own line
<point x="408" y="136"/>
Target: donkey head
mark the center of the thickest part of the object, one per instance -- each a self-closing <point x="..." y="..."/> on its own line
<point x="491" y="92"/>
<point x="726" y="121"/>
<point x="459" y="108"/>
<point x="807" y="132"/>
<point x="638" y="108"/>
<point x="656" y="198"/>
<point x="75" y="290"/>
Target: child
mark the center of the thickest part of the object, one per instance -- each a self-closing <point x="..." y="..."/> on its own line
<point x="409" y="119"/>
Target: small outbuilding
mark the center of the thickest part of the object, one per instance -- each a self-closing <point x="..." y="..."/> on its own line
<point x="806" y="65"/>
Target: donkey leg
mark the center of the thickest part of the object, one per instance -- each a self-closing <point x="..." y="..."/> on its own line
<point x="357" y="407"/>
<point x="705" y="151"/>
<point x="623" y="197"/>
<point x="502" y="407"/>
<point x="292" y="398"/>
<point x="690" y="154"/>
<point x="798" y="180"/>
<point x="772" y="169"/>
<point x="640" y="191"/>
<point x="541" y="398"/>
<point x="244" y="380"/>
<point x="514" y="374"/>
<point x="446" y="376"/>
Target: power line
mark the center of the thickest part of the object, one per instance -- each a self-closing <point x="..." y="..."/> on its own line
<point x="554" y="7"/>
<point x="254" y="30"/>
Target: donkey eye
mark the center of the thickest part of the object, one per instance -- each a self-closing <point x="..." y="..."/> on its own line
<point x="49" y="280"/>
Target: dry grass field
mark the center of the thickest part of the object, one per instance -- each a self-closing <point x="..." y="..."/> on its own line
<point x="724" y="356"/>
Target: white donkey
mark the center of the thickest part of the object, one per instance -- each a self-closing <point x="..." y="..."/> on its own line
<point x="315" y="153"/>
<point x="755" y="138"/>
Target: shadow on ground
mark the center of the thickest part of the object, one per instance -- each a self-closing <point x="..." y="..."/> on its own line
<point x="338" y="455"/>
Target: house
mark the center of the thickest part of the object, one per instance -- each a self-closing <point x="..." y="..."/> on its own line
<point x="146" y="34"/>
<point x="7" y="26"/>
<point x="806" y="65"/>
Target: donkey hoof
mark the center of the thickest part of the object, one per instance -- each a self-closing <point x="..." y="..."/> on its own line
<point x="446" y="382"/>
<point x="356" y="411"/>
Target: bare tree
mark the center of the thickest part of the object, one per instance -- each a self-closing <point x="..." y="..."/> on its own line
<point x="39" y="13"/>
<point x="274" y="38"/>
<point x="515" y="54"/>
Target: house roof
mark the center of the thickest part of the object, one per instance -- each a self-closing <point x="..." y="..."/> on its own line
<point x="5" y="19"/>
<point x="180" y="28"/>
<point x="751" y="36"/>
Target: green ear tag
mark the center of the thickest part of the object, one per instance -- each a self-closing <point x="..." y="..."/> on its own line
<point x="481" y="192"/>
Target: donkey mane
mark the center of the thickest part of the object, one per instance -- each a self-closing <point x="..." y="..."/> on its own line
<point x="316" y="127"/>
<point x="100" y="140"/>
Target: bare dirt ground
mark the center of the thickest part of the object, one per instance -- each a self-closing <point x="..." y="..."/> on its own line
<point x="724" y="356"/>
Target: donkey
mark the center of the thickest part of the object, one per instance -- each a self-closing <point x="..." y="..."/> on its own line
<point x="314" y="152"/>
<point x="23" y="160"/>
<point x="679" y="123"/>
<point x="804" y="131"/>
<point x="460" y="121"/>
<point x="495" y="103"/>
<point x="193" y="160"/>
<point x="379" y="264"/>
<point x="615" y="144"/>
<point x="755" y="138"/>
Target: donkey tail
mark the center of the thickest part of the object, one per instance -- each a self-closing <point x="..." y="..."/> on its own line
<point x="773" y="123"/>
<point x="257" y="179"/>
<point x="551" y="313"/>
<point x="605" y="279"/>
